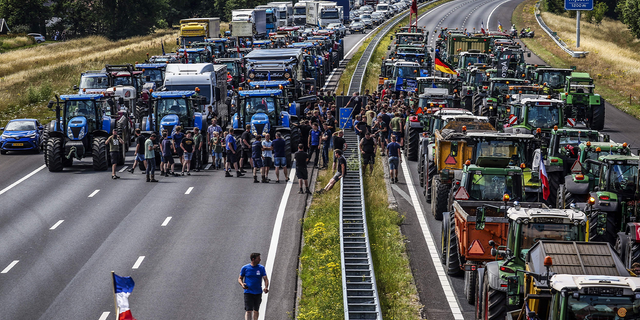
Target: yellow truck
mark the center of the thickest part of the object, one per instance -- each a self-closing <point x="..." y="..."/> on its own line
<point x="197" y="30"/>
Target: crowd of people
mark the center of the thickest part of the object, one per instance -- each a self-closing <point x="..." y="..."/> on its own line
<point x="378" y="120"/>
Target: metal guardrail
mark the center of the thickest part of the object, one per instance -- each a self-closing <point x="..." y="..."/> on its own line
<point x="358" y="75"/>
<point x="554" y="36"/>
<point x="359" y="289"/>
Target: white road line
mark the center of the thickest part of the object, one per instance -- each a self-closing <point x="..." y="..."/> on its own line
<point x="208" y="166"/>
<point x="11" y="265"/>
<point x="22" y="179"/>
<point x="105" y="315"/>
<point x="56" y="225"/>
<point x="94" y="193"/>
<point x="123" y="169"/>
<point x="189" y="190"/>
<point x="166" y="222"/>
<point x="400" y="192"/>
<point x="490" y="14"/>
<point x="452" y="300"/>
<point x="138" y="262"/>
<point x="275" y="237"/>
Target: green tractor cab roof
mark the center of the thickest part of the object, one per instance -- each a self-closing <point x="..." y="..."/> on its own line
<point x="562" y="282"/>
<point x="604" y="146"/>
<point x="613" y="158"/>
<point x="70" y="97"/>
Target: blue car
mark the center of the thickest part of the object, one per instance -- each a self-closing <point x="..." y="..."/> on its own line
<point x="21" y="134"/>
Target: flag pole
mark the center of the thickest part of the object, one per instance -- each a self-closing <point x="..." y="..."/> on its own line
<point x="115" y="301"/>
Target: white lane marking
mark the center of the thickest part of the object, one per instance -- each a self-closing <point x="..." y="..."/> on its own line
<point x="105" y="315"/>
<point x="166" y="222"/>
<point x="400" y="192"/>
<point x="22" y="179"/>
<point x="208" y="166"/>
<point x="189" y="190"/>
<point x="94" y="193"/>
<point x="138" y="262"/>
<point x="53" y="227"/>
<point x="275" y="237"/>
<point x="454" y="305"/>
<point x="11" y="265"/>
<point x="494" y="9"/>
<point x="123" y="169"/>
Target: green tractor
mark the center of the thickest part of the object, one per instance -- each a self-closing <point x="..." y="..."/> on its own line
<point x="581" y="103"/>
<point x="553" y="79"/>
<point x="496" y="96"/>
<point x="476" y="80"/>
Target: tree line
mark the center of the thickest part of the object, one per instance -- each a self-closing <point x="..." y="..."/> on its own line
<point x="627" y="11"/>
<point x="115" y="19"/>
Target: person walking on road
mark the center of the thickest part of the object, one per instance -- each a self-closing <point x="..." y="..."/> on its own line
<point x="338" y="144"/>
<point x="301" y="168"/>
<point x="216" y="151"/>
<point x="397" y="127"/>
<point x="140" y="151"/>
<point x="199" y="148"/>
<point x="314" y="143"/>
<point x="214" y="127"/>
<point x="114" y="142"/>
<point x="368" y="150"/>
<point x="232" y="151"/>
<point x="340" y="173"/>
<point x="267" y="156"/>
<point x="250" y="279"/>
<point x="280" y="156"/>
<point x="150" y="156"/>
<point x="256" y="156"/>
<point x="187" y="146"/>
<point x="394" y="151"/>
<point x="245" y="143"/>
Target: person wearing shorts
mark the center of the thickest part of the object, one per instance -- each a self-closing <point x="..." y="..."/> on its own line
<point x="394" y="151"/>
<point x="368" y="147"/>
<point x="256" y="157"/>
<point x="187" y="145"/>
<point x="250" y="279"/>
<point x="232" y="149"/>
<point x="139" y="153"/>
<point x="267" y="156"/>
<point x="301" y="168"/>
<point x="167" y="153"/>
<point x="114" y="142"/>
<point x="280" y="156"/>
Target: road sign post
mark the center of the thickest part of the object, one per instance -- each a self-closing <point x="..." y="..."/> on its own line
<point x="578" y="5"/>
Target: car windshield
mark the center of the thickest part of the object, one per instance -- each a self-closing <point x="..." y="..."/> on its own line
<point x="623" y="177"/>
<point x="176" y="106"/>
<point x="122" y="81"/>
<point x="491" y="187"/>
<point x="405" y="71"/>
<point x="255" y="105"/>
<point x="382" y="8"/>
<point x="553" y="79"/>
<point x="20" y="126"/>
<point x="532" y="232"/>
<point x="544" y="117"/>
<point x="356" y="24"/>
<point x="365" y="16"/>
<point x="154" y="75"/>
<point x="586" y="307"/>
<point x="101" y="82"/>
<point x="80" y="108"/>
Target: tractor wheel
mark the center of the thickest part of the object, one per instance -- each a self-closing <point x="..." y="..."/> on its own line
<point x="468" y="102"/>
<point x="295" y="139"/>
<point x="287" y="149"/>
<point x="413" y="138"/>
<point x="568" y="197"/>
<point x="622" y="247"/>
<point x="335" y="59"/>
<point x="54" y="154"/>
<point x="479" y="299"/>
<point x="554" y="183"/>
<point x="610" y="233"/>
<point x="470" y="284"/>
<point x="439" y="198"/>
<point x="141" y="111"/>
<point x="597" y="118"/>
<point x="421" y="172"/>
<point x="123" y="131"/>
<point x="99" y="150"/>
<point x="495" y="303"/>
<point x="444" y="233"/>
<point x="429" y="186"/>
<point x="44" y="138"/>
<point x="453" y="255"/>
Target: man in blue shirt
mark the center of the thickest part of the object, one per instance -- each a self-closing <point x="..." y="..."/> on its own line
<point x="314" y="143"/>
<point x="231" y="147"/>
<point x="394" y="151"/>
<point x="251" y="276"/>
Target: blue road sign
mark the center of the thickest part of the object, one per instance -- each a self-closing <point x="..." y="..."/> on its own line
<point x="345" y="121"/>
<point x="586" y="5"/>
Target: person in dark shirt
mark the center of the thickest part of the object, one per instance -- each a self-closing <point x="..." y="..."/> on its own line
<point x="338" y="144"/>
<point x="139" y="153"/>
<point x="326" y="145"/>
<point x="380" y="130"/>
<point x="340" y="173"/>
<point x="305" y="128"/>
<point x="361" y="126"/>
<point x="368" y="150"/>
<point x="394" y="151"/>
<point x="168" y="148"/>
<point x="187" y="146"/>
<point x="245" y="146"/>
<point x="177" y="140"/>
<point x="256" y="155"/>
<point x="301" y="168"/>
<point x="232" y="151"/>
<point x="280" y="156"/>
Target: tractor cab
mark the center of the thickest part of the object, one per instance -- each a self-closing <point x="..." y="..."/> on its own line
<point x="435" y="98"/>
<point x="425" y="83"/>
<point x="491" y="183"/>
<point x="152" y="74"/>
<point x="235" y="72"/>
<point x="196" y="55"/>
<point x="262" y="44"/>
<point x="534" y="114"/>
<point x="217" y="46"/>
<point x="263" y="109"/>
<point x="469" y="59"/>
<point x="93" y="82"/>
<point x="125" y="84"/>
<point x="552" y="78"/>
<point x="172" y="109"/>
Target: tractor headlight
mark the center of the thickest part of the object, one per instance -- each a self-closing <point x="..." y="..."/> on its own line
<point x="69" y="133"/>
<point x="252" y="75"/>
<point x="253" y="130"/>
<point x="82" y="133"/>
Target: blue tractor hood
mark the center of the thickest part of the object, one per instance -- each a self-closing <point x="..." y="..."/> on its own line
<point x="77" y="128"/>
<point x="169" y="123"/>
<point x="260" y="124"/>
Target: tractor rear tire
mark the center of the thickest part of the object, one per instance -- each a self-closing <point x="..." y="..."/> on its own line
<point x="470" y="284"/>
<point x="568" y="197"/>
<point x="335" y="59"/>
<point x="44" y="138"/>
<point x="597" y="118"/>
<point x="610" y="235"/>
<point x="495" y="303"/>
<point x="295" y="139"/>
<point x="453" y="255"/>
<point x="444" y="233"/>
<point x="287" y="150"/>
<point x="123" y="131"/>
<point x="413" y="138"/>
<point x="428" y="189"/>
<point x="554" y="184"/>
<point x="477" y="103"/>
<point x="439" y="198"/>
<point x="99" y="150"/>
<point x="54" y="154"/>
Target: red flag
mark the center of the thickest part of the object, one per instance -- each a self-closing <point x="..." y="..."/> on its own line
<point x="545" y="180"/>
<point x="414" y="7"/>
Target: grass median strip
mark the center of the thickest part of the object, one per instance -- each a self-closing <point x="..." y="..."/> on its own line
<point x="613" y="60"/>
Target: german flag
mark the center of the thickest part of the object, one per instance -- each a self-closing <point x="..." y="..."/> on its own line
<point x="444" y="67"/>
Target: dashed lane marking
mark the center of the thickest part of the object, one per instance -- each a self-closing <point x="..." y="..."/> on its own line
<point x="189" y="190"/>
<point x="138" y="262"/>
<point x="11" y="265"/>
<point x="208" y="166"/>
<point x="94" y="193"/>
<point x="166" y="222"/>
<point x="104" y="315"/>
<point x="53" y="227"/>
<point x="123" y="169"/>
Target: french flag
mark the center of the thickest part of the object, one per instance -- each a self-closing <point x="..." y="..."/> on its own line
<point x="545" y="180"/>
<point x="482" y="27"/>
<point x="122" y="287"/>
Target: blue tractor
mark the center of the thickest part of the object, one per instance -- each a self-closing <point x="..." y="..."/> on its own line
<point x="294" y="101"/>
<point x="266" y="111"/>
<point x="82" y="127"/>
<point x="152" y="74"/>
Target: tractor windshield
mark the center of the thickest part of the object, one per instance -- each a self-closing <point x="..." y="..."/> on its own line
<point x="255" y="105"/>
<point x="122" y="81"/>
<point x="544" y="117"/>
<point x="603" y="307"/>
<point x="554" y="79"/>
<point x="155" y="75"/>
<point x="411" y="57"/>
<point x="80" y="108"/>
<point x="581" y="88"/>
<point x="407" y="39"/>
<point x="405" y="72"/>
<point x="476" y="78"/>
<point x="473" y="60"/>
<point x="623" y="177"/>
<point x="491" y="187"/>
<point x="231" y="67"/>
<point x="498" y="149"/>
<point x="177" y="106"/>
<point x="94" y="82"/>
<point x="532" y="232"/>
<point x="499" y="88"/>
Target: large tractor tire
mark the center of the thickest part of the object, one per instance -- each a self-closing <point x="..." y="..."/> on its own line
<point x="555" y="179"/>
<point x="45" y="138"/>
<point x="100" y="154"/>
<point x="439" y="198"/>
<point x="413" y="138"/>
<point x="453" y="255"/>
<point x="444" y="234"/>
<point x="428" y="189"/>
<point x="295" y="139"/>
<point x="335" y="59"/>
<point x="287" y="150"/>
<point x="597" y="118"/>
<point x="610" y="235"/>
<point x="470" y="283"/>
<point x="141" y="111"/>
<point x="468" y="102"/>
<point x="122" y="127"/>
<point x="564" y="195"/>
<point x="54" y="154"/>
<point x="476" y="103"/>
<point x="495" y="302"/>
